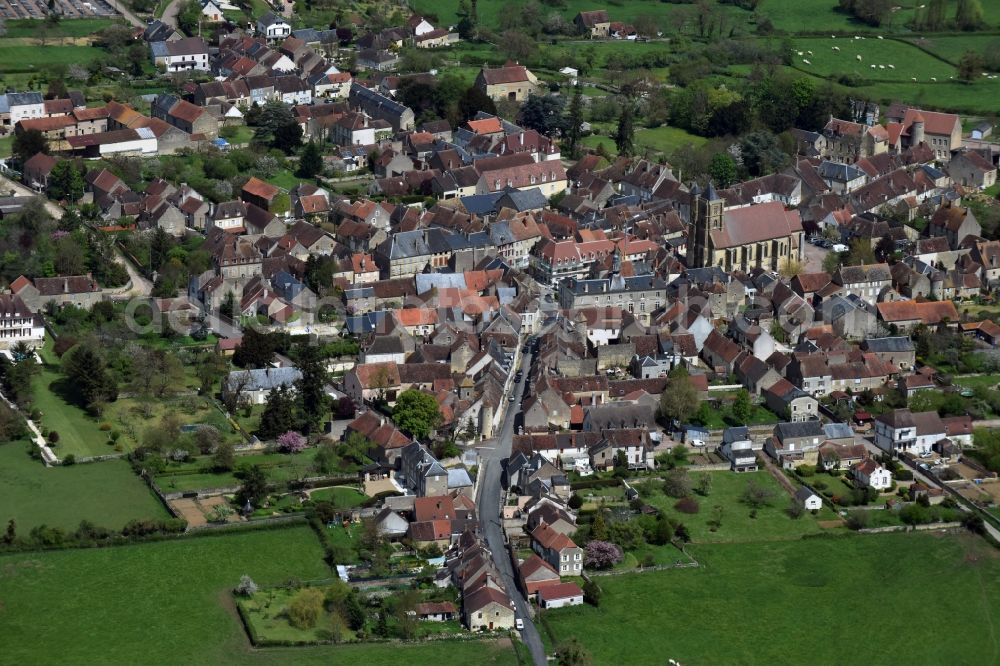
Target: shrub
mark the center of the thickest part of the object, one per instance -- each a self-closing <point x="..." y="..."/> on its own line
<point x="575" y="501"/>
<point x="246" y="588"/>
<point x="687" y="505"/>
<point x="69" y="460"/>
<point x="601" y="555"/>
<point x="104" y="427"/>
<point x="291" y="442"/>
<point x="305" y="608"/>
<point x="53" y="437"/>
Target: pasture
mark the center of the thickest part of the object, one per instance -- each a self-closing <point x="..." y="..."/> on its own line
<point x="951" y="47"/>
<point x="107" y="494"/>
<point x="796" y="594"/>
<point x="796" y="16"/>
<point x="893" y="61"/>
<point x="169" y="602"/>
<point x="22" y="58"/>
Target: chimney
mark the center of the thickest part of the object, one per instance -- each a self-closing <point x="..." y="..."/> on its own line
<point x="65" y="285"/>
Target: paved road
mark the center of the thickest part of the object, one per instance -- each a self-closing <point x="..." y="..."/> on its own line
<point x="141" y="286"/>
<point x="6" y="185"/>
<point x="490" y="494"/>
<point x="170" y="13"/>
<point x="129" y="16"/>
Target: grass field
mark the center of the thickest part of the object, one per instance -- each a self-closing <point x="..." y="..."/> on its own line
<point x="822" y="15"/>
<point x="107" y="494"/>
<point x="341" y="497"/>
<point x="70" y="28"/>
<point x="977" y="381"/>
<point x="772" y="522"/>
<point x="663" y="139"/>
<point x="24" y="58"/>
<point x="951" y="47"/>
<point x="79" y="434"/>
<point x="100" y="605"/>
<point x="908" y="61"/>
<point x="783" y="602"/>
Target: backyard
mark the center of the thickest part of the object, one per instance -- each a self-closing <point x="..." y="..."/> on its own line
<point x="100" y="605"/>
<point x="793" y="590"/>
<point x="107" y="494"/>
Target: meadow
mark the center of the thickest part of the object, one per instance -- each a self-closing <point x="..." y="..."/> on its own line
<point x="107" y="494"/>
<point x="736" y="524"/>
<point x="908" y="61"/>
<point x="20" y="58"/>
<point x="951" y="47"/>
<point x="169" y="602"/>
<point x="84" y="27"/>
<point x="808" y="601"/>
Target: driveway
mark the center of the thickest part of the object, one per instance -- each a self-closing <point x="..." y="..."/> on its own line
<point x="489" y="499"/>
<point x="7" y="185"/>
<point x="170" y="13"/>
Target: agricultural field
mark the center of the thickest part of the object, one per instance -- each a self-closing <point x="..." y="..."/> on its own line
<point x="824" y="580"/>
<point x="736" y="524"/>
<point x="951" y="47"/>
<point x="100" y="604"/>
<point x="21" y="58"/>
<point x="84" y="27"/>
<point x="899" y="61"/>
<point x="823" y="16"/>
<point x="107" y="494"/>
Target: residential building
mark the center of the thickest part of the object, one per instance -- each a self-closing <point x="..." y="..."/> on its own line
<point x="252" y="387"/>
<point x="558" y="550"/>
<point x="19" y="324"/>
<point x="560" y="596"/>
<point x="189" y="53"/>
<point x="511" y="82"/>
<point x="870" y="474"/>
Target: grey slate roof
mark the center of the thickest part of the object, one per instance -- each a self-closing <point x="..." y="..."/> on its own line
<point x="799" y="429"/>
<point x="265" y="379"/>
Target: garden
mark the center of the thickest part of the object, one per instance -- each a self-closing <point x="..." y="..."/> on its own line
<point x="798" y="586"/>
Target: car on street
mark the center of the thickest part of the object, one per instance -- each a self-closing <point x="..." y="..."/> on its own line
<point x="518" y="623"/>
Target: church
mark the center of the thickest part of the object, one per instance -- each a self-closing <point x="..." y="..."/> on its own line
<point x="760" y="236"/>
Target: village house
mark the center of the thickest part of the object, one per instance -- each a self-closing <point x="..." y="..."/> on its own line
<point x="511" y="82"/>
<point x="558" y="550"/>
<point x="594" y="24"/>
<point x="870" y="474"/>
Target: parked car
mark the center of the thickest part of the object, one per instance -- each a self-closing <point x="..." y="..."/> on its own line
<point x="518" y="623"/>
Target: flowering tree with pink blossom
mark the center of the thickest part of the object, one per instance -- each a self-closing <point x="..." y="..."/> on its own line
<point x="291" y="442"/>
<point x="601" y="555"/>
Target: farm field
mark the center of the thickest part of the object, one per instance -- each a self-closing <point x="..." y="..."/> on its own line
<point x="84" y="27"/>
<point x="823" y="15"/>
<point x="100" y="604"/>
<point x="951" y="47"/>
<point x="909" y="62"/>
<point x="779" y="582"/>
<point x="30" y="58"/>
<point x="772" y="522"/>
<point x="107" y="494"/>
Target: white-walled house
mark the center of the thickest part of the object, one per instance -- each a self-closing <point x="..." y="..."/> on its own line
<point x="190" y="53"/>
<point x="870" y="474"/>
<point x="903" y="431"/>
<point x="560" y="595"/>
<point x="273" y="27"/>
<point x="808" y="500"/>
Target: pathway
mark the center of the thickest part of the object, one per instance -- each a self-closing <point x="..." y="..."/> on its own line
<point x="777" y="473"/>
<point x="7" y="185"/>
<point x="129" y="16"/>
<point x="170" y="13"/>
<point x="47" y="455"/>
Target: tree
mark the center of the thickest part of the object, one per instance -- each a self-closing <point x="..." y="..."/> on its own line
<point x="29" y="143"/>
<point x="575" y="502"/>
<point x="310" y="161"/>
<point x="761" y="153"/>
<point x="970" y="66"/>
<point x="87" y="371"/>
<point x="968" y="15"/>
<point x="65" y="182"/>
<point x="311" y="386"/>
<point x="599" y="528"/>
<point x="256" y="350"/>
<point x="279" y="413"/>
<point x="517" y="46"/>
<point x="305" y="608"/>
<point x="291" y="442"/>
<point x="571" y="653"/>
<point x="757" y="495"/>
<point x="625" y="132"/>
<point x="722" y="169"/>
<point x="885" y="247"/>
<point x="253" y="490"/>
<point x="542" y="113"/>
<point x="742" y="407"/>
<point x="189" y="17"/>
<point x="574" y="120"/>
<point x="601" y="555"/>
<point x="677" y="483"/>
<point x="210" y="370"/>
<point x="246" y="588"/>
<point x="662" y="531"/>
<point x="679" y="400"/>
<point x="416" y="413"/>
<point x="704" y="485"/>
<point x="224" y="458"/>
<point x="472" y="102"/>
<point x="592" y="592"/>
<point x="277" y="128"/>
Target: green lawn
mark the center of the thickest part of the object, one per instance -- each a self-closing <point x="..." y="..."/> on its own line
<point x="772" y="522"/>
<point x="951" y="47"/>
<point x="977" y="381"/>
<point x="102" y="605"/>
<point x="79" y="434"/>
<point x="279" y="467"/>
<point x="83" y="27"/>
<point x="784" y="602"/>
<point x="341" y="497"/>
<point x="29" y="58"/>
<point x="284" y="179"/>
<point x="107" y="494"/>
<point x="823" y="15"/>
<point x="663" y="139"/>
<point x="6" y="144"/>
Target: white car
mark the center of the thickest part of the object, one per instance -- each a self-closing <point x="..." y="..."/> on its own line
<point x="518" y="623"/>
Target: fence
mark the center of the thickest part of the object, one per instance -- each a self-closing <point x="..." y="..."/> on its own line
<point x="911" y="528"/>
